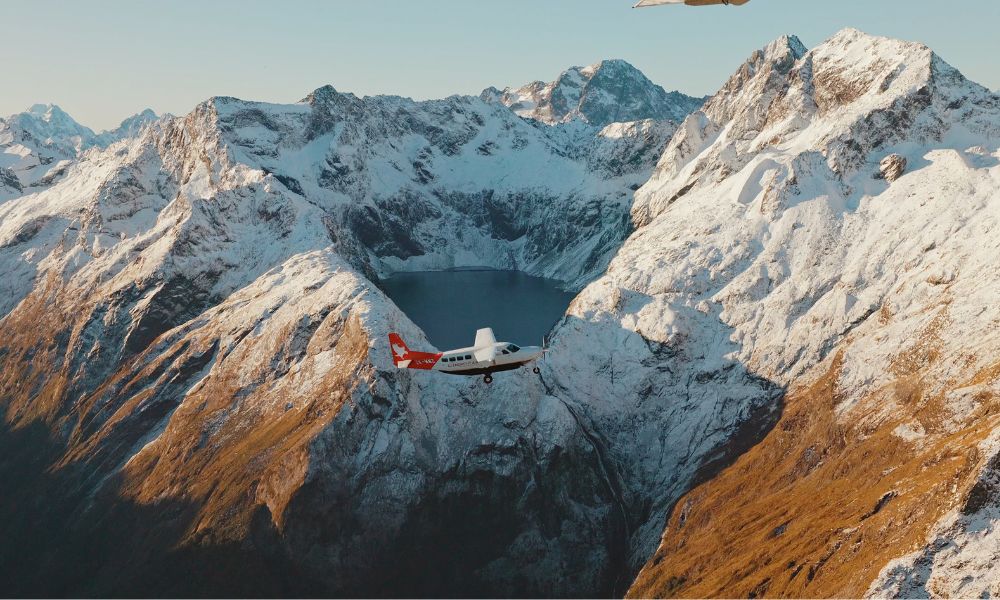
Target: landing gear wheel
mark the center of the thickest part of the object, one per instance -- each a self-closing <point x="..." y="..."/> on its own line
<point x="488" y="379"/>
<point x="536" y="370"/>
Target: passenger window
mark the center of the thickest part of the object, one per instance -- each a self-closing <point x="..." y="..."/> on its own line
<point x="467" y="357"/>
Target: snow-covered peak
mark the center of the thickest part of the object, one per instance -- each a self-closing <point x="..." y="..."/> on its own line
<point x="36" y="147"/>
<point x="848" y="96"/>
<point x="321" y="94"/>
<point x="765" y="70"/>
<point x="47" y="125"/>
<point x="606" y="92"/>
<point x="614" y="67"/>
<point x="853" y="37"/>
<point x="129" y="127"/>
<point x="134" y="123"/>
<point x="53" y="115"/>
<point x="786" y="44"/>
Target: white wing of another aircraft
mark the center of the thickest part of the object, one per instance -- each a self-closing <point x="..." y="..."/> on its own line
<point x="485" y="346"/>
<point x="642" y="3"/>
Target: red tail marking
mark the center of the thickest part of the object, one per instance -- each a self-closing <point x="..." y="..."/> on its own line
<point x="417" y="360"/>
<point x="398" y="348"/>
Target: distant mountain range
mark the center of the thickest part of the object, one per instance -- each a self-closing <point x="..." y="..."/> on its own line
<point x="611" y="91"/>
<point x="37" y="145"/>
<point x="779" y="377"/>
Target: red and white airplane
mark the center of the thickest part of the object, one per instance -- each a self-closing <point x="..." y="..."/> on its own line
<point x="485" y="357"/>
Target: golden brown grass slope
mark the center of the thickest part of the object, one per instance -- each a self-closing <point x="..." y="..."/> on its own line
<point x="828" y="497"/>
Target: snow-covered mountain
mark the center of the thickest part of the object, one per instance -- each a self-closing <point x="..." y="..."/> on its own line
<point x="38" y="145"/>
<point x="611" y="91"/>
<point x="801" y="290"/>
<point x="129" y="127"/>
<point x="51" y="126"/>
<point x="865" y="293"/>
<point x="237" y="247"/>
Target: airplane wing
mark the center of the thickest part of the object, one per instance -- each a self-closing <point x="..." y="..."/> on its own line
<point x="486" y="345"/>
<point x="484" y="337"/>
<point x="642" y="3"/>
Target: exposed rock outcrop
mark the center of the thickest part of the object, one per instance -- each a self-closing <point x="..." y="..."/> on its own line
<point x="892" y="167"/>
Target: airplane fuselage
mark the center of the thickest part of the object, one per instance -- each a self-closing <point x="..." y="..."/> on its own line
<point x="507" y="357"/>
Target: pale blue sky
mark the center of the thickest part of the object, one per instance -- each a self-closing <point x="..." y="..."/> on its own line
<point x="104" y="60"/>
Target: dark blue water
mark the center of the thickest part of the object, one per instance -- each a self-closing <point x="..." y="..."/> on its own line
<point x="451" y="305"/>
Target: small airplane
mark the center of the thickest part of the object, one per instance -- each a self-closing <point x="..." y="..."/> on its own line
<point x="485" y="357"/>
<point x="643" y="3"/>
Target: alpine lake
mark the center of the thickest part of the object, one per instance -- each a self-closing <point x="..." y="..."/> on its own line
<point x="451" y="305"/>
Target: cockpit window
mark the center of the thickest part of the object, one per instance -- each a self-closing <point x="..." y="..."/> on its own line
<point x="512" y="348"/>
<point x="505" y="351"/>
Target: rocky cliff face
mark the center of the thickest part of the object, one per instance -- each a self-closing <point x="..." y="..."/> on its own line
<point x="611" y="91"/>
<point x="193" y="371"/>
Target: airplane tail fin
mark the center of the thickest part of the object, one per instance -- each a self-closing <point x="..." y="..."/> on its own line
<point x="398" y="348"/>
<point x="404" y="358"/>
